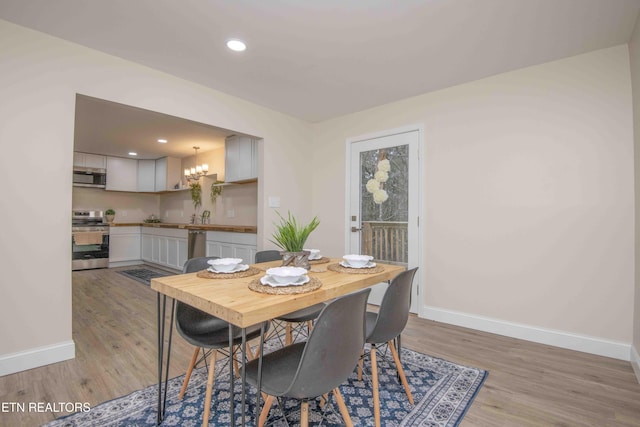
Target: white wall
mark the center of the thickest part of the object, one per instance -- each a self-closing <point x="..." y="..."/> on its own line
<point x="39" y="79"/>
<point x="528" y="189"/>
<point x="634" y="52"/>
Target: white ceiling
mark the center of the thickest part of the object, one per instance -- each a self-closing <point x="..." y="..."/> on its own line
<point x="113" y="129"/>
<point x="318" y="59"/>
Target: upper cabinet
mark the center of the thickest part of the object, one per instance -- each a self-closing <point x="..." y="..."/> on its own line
<point x="241" y="158"/>
<point x="146" y="176"/>
<point x="168" y="172"/>
<point x="122" y="174"/>
<point x="87" y="160"/>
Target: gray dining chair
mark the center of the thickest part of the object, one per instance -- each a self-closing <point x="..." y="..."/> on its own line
<point x="384" y="326"/>
<point x="300" y="317"/>
<point x="314" y="368"/>
<point x="205" y="331"/>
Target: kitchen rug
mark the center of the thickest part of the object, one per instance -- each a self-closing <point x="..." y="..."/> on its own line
<point x="443" y="392"/>
<point x="144" y="275"/>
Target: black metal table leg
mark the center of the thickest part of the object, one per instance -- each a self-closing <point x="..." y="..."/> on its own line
<point x="232" y="414"/>
<point x="259" y="391"/>
<point x="162" y="392"/>
<point x="244" y="373"/>
<point x="160" y="313"/>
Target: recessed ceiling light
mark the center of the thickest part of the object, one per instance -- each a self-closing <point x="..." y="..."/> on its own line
<point x="236" y="45"/>
<point x="133" y="153"/>
<point x="162" y="141"/>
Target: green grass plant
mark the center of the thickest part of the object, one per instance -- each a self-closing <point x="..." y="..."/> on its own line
<point x="290" y="236"/>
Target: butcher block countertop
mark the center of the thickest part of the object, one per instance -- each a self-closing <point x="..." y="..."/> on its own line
<point x="205" y="227"/>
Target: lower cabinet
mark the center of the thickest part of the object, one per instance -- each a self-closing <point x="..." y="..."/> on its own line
<point x="165" y="246"/>
<point x="225" y="244"/>
<point x="124" y="245"/>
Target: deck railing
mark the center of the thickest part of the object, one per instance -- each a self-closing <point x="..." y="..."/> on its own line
<point x="385" y="241"/>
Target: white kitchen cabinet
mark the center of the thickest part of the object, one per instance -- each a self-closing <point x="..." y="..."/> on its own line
<point x="146" y="176"/>
<point x="122" y="174"/>
<point x="124" y="246"/>
<point x="88" y="160"/>
<point x="165" y="246"/>
<point x="240" y="158"/>
<point x="227" y="244"/>
<point x="168" y="173"/>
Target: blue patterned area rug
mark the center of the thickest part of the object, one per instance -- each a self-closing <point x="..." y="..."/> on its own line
<point x="443" y="392"/>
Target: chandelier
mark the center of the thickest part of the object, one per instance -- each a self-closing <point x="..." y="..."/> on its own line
<point x="198" y="170"/>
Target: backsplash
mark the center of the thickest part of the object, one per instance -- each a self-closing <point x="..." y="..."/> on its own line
<point x="237" y="205"/>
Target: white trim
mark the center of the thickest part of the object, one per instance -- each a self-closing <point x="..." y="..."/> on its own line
<point x="587" y="344"/>
<point x="635" y="362"/>
<point x="117" y="264"/>
<point x="36" y="357"/>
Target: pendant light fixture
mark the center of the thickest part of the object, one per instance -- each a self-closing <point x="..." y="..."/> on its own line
<point x="198" y="170"/>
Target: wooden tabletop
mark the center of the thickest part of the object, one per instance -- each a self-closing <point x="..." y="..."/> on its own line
<point x="233" y="301"/>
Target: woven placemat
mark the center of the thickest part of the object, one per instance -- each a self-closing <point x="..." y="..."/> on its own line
<point x="340" y="269"/>
<point x="312" y="285"/>
<point x="322" y="260"/>
<point x="205" y="274"/>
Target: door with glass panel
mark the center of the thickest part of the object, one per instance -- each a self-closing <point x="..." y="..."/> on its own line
<point x="384" y="202"/>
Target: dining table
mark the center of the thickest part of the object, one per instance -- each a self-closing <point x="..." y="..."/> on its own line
<point x="241" y="302"/>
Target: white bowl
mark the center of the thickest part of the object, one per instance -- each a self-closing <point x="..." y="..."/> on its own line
<point x="314" y="253"/>
<point x="357" y="260"/>
<point x="286" y="274"/>
<point x="224" y="264"/>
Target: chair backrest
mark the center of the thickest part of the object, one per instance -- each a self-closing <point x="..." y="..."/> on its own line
<point x="268" y="255"/>
<point x="190" y="320"/>
<point x="333" y="348"/>
<point x="196" y="264"/>
<point x="394" y="309"/>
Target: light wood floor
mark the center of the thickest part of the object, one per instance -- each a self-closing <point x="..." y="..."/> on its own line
<point x="114" y="329"/>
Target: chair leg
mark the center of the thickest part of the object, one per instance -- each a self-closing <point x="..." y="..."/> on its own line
<point x="250" y="355"/>
<point x="360" y="362"/>
<point x="343" y="408"/>
<point x="187" y="376"/>
<point x="207" y="399"/>
<point x="304" y="413"/>
<point x="265" y="410"/>
<point x="403" y="378"/>
<point x="288" y="336"/>
<point x="376" y="392"/>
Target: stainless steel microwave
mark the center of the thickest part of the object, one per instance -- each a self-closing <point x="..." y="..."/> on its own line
<point x="89" y="177"/>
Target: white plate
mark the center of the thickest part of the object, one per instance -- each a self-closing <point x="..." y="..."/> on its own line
<point x="315" y="258"/>
<point x="370" y="264"/>
<point x="269" y="281"/>
<point x="239" y="268"/>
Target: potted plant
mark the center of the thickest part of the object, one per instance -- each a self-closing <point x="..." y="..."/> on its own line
<point x="196" y="194"/>
<point x="109" y="215"/>
<point x="216" y="190"/>
<point x="290" y="236"/>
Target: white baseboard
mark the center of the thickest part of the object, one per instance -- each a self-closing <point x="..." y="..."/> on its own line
<point x="36" y="357"/>
<point x="635" y="362"/>
<point x="124" y="263"/>
<point x="587" y="344"/>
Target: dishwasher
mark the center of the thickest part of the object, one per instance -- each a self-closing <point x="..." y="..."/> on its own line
<point x="197" y="244"/>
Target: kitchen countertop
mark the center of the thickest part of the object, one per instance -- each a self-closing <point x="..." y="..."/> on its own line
<point x="205" y="227"/>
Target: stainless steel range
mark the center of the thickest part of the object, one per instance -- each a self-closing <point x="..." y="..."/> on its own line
<point x="89" y="241"/>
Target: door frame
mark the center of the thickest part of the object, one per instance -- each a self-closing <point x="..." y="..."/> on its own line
<point x="421" y="274"/>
